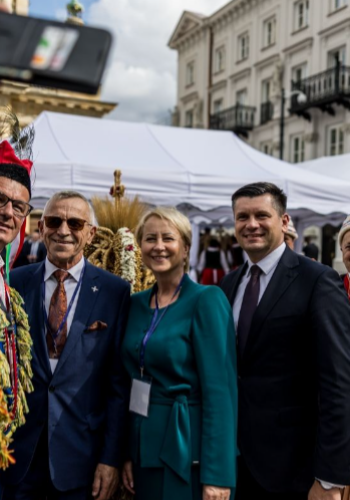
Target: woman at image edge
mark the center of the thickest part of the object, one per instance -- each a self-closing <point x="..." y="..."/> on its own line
<point x="185" y="449"/>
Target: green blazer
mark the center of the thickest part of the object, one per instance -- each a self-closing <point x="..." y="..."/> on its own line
<point x="191" y="358"/>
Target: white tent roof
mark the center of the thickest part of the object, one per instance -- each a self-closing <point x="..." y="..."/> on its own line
<point x="164" y="165"/>
<point x="337" y="167"/>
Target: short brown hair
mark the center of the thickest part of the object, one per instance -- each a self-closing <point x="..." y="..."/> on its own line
<point x="259" y="189"/>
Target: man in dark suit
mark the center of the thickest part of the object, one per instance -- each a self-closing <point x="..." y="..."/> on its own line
<point x="293" y="337"/>
<point x="33" y="251"/>
<point x="72" y="443"/>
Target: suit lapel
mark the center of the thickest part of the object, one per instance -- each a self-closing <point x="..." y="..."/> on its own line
<point x="284" y="275"/>
<point x="34" y="308"/>
<point x="89" y="292"/>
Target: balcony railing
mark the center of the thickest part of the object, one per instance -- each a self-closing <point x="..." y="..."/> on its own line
<point x="266" y="112"/>
<point x="322" y="90"/>
<point x="238" y="119"/>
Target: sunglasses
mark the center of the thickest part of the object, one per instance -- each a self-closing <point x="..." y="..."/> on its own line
<point x="73" y="223"/>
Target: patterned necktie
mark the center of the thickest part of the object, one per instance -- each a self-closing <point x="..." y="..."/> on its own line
<point x="57" y="311"/>
<point x="249" y="304"/>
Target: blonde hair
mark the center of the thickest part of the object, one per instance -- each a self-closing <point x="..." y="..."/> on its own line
<point x="177" y="219"/>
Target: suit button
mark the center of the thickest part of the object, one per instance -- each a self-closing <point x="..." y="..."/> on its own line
<point x="52" y="388"/>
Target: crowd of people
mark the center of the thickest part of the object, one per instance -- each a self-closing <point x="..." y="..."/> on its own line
<point x="183" y="391"/>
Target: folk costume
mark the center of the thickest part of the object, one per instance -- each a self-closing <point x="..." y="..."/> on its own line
<point x="212" y="265"/>
<point x="15" y="340"/>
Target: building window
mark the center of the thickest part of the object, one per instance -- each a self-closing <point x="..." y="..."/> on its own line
<point x="189" y="118"/>
<point x="336" y="141"/>
<point x="243" y="47"/>
<point x="269" y="32"/>
<point x="190" y="73"/>
<point x="218" y="105"/>
<point x="301" y="14"/>
<point x="219" y="59"/>
<point x="337" y="55"/>
<point x="266" y="91"/>
<point x="297" y="149"/>
<point x="266" y="147"/>
<point x="299" y="72"/>
<point x="337" y="4"/>
<point x="242" y="97"/>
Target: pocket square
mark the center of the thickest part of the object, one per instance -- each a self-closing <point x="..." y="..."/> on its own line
<point x="97" y="325"/>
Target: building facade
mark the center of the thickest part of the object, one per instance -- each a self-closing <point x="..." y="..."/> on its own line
<point x="234" y="65"/>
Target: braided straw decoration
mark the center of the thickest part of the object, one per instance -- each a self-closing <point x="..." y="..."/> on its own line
<point x="119" y="254"/>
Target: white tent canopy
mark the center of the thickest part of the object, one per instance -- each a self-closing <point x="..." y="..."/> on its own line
<point x="197" y="170"/>
<point x="337" y="167"/>
<point x="164" y="165"/>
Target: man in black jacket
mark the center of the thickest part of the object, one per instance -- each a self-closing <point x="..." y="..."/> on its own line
<point x="293" y="331"/>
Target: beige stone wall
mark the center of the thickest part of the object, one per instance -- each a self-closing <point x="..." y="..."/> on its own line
<point x="21" y="7"/>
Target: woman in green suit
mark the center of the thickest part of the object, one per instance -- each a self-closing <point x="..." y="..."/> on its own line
<point x="179" y="350"/>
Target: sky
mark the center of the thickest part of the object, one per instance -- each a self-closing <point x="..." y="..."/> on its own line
<point x="141" y="74"/>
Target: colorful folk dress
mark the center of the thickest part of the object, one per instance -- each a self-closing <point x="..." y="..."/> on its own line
<point x="15" y="371"/>
<point x="347" y="284"/>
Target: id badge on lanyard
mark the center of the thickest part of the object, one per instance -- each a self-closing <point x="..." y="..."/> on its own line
<point x="140" y="395"/>
<point x="141" y="386"/>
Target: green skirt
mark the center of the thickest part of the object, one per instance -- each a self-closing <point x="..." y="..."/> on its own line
<point x="149" y="483"/>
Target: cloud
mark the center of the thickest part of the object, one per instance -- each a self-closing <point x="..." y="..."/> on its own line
<point x="141" y="75"/>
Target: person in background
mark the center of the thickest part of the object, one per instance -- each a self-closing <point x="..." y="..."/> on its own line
<point x="204" y="239"/>
<point x="235" y="254"/>
<point x="290" y="235"/>
<point x="212" y="265"/>
<point x="179" y="349"/>
<point x="310" y="249"/>
<point x="33" y="251"/>
<point x="344" y="243"/>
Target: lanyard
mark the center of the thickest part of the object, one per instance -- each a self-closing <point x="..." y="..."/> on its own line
<point x="63" y="322"/>
<point x="155" y="322"/>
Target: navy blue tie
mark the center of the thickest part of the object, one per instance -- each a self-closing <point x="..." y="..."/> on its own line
<point x="249" y="305"/>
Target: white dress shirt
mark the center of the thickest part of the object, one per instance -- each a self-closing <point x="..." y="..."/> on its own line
<point x="267" y="265"/>
<point x="69" y="285"/>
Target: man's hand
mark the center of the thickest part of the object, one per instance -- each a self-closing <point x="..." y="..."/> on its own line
<point x="216" y="493"/>
<point x="319" y="493"/>
<point x="105" y="483"/>
<point x="128" y="477"/>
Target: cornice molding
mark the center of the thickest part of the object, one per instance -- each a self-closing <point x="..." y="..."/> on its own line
<point x="335" y="27"/>
<point x="218" y="86"/>
<point x="302" y="44"/>
<point x="267" y="61"/>
<point x="244" y="73"/>
<point x="189" y="97"/>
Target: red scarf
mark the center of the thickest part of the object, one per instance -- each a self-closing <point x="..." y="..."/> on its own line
<point x="347" y="284"/>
